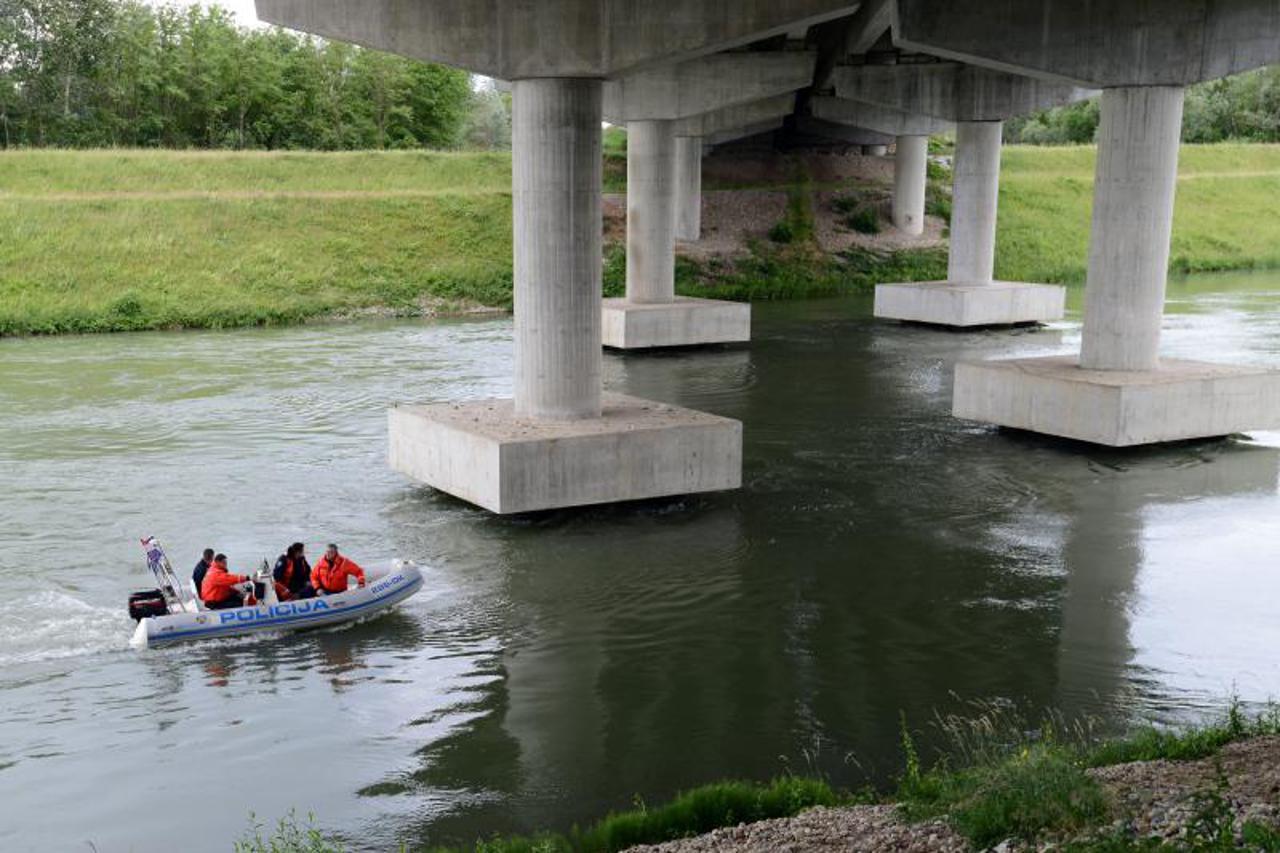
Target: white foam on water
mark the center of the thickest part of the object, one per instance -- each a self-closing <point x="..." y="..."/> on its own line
<point x="49" y="625"/>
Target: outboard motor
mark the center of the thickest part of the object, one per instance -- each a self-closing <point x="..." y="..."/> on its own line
<point x="148" y="602"/>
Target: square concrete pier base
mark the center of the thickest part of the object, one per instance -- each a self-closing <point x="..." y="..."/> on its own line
<point x="1180" y="400"/>
<point x="945" y="303"/>
<point x="481" y="452"/>
<point x="684" y="322"/>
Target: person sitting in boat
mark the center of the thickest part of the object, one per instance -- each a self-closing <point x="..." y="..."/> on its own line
<point x="293" y="574"/>
<point x="219" y="590"/>
<point x="331" y="573"/>
<point x="198" y="573"/>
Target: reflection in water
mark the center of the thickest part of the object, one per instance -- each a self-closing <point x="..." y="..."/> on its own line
<point x="880" y="558"/>
<point x="1105" y="553"/>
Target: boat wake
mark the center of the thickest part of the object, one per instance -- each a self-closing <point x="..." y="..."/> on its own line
<point x="50" y="625"/>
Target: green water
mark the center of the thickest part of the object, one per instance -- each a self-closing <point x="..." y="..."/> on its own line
<point x="880" y="558"/>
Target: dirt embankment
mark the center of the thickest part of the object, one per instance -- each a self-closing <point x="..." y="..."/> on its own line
<point x="733" y="218"/>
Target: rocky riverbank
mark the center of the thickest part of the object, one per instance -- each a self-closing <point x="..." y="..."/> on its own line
<point x="1230" y="800"/>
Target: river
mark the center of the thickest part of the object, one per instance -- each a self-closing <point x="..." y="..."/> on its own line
<point x="881" y="558"/>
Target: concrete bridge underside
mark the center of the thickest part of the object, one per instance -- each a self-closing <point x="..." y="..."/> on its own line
<point x="562" y="441"/>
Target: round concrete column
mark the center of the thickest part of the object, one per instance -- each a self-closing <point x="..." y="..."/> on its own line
<point x="689" y="188"/>
<point x="556" y="180"/>
<point x="875" y="150"/>
<point x="1133" y="190"/>
<point x="651" y="211"/>
<point x="909" y="172"/>
<point x="975" y="194"/>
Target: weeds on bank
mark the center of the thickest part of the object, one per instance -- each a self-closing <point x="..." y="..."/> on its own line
<point x="691" y="813"/>
<point x="1150" y="743"/>
<point x="859" y="211"/>
<point x="1002" y="777"/>
<point x="1000" y="782"/>
<point x="796" y="226"/>
<point x="288" y="836"/>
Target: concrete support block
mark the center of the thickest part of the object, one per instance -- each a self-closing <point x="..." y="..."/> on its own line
<point x="1175" y="401"/>
<point x="1134" y="183"/>
<point x="651" y="211"/>
<point x="680" y="323"/>
<point x="875" y="150"/>
<point x="910" y="165"/>
<point x="556" y="201"/>
<point x="689" y="188"/>
<point x="486" y="454"/>
<point x="961" y="305"/>
<point x="975" y="198"/>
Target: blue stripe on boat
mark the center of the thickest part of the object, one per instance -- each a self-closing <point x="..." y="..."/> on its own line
<point x="280" y="620"/>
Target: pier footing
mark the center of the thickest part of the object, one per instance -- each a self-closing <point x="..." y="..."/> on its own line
<point x="1179" y="400"/>
<point x="945" y="303"/>
<point x="483" y="453"/>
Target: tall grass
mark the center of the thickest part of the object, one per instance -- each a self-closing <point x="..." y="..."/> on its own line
<point x="1003" y="775"/>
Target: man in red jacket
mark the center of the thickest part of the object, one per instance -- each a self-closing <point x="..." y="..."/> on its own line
<point x="218" y="590"/>
<point x="331" y="572"/>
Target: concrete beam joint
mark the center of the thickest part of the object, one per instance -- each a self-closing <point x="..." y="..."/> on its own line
<point x="733" y="117"/>
<point x="881" y="119"/>
<point x="707" y="84"/>
<point x="951" y="91"/>
<point x="517" y="39"/>
<point x="1117" y="43"/>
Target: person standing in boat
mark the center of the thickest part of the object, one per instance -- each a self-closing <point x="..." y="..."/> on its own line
<point x="202" y="567"/>
<point x="219" y="590"/>
<point x="331" y="573"/>
<point x="292" y="574"/>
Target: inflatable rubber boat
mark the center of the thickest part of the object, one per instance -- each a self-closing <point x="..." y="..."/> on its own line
<point x="172" y="613"/>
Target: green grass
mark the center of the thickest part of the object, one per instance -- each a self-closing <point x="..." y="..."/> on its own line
<point x="43" y="172"/>
<point x="1226" y="216"/>
<point x="691" y="813"/>
<point x="121" y="240"/>
<point x="998" y="777"/>
<point x="1002" y="777"/>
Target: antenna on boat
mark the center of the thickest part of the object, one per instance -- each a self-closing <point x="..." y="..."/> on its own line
<point x="170" y="587"/>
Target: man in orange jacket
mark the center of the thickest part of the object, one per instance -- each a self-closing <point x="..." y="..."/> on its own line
<point x="331" y="572"/>
<point x="218" y="590"/>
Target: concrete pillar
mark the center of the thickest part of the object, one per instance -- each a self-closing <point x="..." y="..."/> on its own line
<point x="556" y="186"/>
<point x="909" y="173"/>
<point x="651" y="212"/>
<point x="1137" y="172"/>
<point x="689" y="188"/>
<point x="875" y="150"/>
<point x="974" y="198"/>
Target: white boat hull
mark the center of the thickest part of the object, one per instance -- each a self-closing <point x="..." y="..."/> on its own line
<point x="378" y="595"/>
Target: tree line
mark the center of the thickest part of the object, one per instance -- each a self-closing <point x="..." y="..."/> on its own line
<point x="1244" y="108"/>
<point x="107" y="73"/>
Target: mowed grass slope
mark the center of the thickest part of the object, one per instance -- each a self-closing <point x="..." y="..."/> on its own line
<point x="115" y="240"/>
<point x="1226" y="214"/>
<point x="103" y="241"/>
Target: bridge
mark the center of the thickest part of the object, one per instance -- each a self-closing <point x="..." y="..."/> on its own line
<point x="680" y="73"/>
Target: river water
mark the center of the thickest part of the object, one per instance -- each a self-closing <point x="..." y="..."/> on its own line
<point x="880" y="558"/>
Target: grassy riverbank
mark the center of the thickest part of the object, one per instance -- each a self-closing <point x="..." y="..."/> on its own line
<point x="120" y="240"/>
<point x="1000" y="778"/>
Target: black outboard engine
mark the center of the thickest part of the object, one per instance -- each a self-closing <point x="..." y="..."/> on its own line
<point x="148" y="602"/>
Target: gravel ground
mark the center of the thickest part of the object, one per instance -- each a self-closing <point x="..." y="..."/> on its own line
<point x="1159" y="798"/>
<point x="859" y="828"/>
<point x="732" y="218"/>
<point x="1153" y="799"/>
